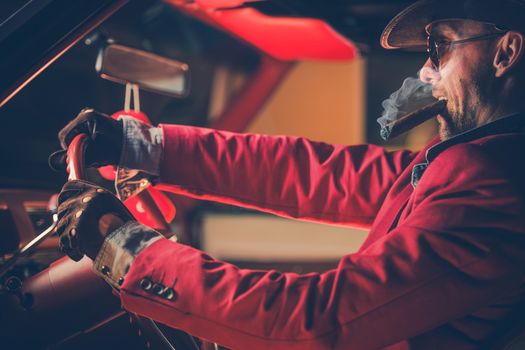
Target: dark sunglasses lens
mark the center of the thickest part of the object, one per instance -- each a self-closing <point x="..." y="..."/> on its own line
<point x="433" y="52"/>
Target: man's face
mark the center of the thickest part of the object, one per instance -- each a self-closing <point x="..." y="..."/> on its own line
<point x="465" y="75"/>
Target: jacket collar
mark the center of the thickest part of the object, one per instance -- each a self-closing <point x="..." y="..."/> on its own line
<point x="509" y="124"/>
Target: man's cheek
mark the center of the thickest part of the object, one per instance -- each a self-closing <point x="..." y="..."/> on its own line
<point x="455" y="97"/>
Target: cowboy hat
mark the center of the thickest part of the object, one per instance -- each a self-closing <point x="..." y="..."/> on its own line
<point x="407" y="29"/>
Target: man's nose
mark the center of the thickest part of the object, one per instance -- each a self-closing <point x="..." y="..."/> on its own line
<point x="428" y="74"/>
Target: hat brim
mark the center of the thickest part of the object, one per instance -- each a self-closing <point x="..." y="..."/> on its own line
<point x="407" y="29"/>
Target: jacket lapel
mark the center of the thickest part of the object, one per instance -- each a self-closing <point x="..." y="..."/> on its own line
<point x="396" y="200"/>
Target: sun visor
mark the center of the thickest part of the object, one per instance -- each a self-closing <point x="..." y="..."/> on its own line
<point x="284" y="38"/>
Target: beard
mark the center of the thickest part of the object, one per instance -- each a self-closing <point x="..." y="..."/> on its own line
<point x="453" y="123"/>
<point x="465" y="116"/>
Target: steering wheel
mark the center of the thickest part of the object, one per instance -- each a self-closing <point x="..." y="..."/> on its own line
<point x="157" y="335"/>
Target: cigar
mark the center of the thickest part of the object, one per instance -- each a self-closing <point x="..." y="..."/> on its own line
<point x="411" y="120"/>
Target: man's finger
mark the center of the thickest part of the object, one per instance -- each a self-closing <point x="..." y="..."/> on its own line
<point x="76" y="126"/>
<point x="64" y="224"/>
<point x="74" y="254"/>
<point x="76" y="188"/>
<point x="67" y="195"/>
<point x="57" y="161"/>
<point x="69" y="239"/>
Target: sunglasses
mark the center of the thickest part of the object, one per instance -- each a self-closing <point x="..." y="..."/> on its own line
<point x="436" y="49"/>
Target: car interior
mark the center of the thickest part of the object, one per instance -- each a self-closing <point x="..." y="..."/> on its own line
<point x="297" y="67"/>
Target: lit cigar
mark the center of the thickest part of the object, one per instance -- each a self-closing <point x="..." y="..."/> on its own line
<point x="411" y="120"/>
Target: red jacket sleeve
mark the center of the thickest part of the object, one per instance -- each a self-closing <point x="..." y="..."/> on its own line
<point x="459" y="251"/>
<point x="287" y="176"/>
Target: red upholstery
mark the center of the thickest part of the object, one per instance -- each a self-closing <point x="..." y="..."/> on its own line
<point x="284" y="38"/>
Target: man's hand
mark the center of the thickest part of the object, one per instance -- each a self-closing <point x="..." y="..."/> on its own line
<point x="105" y="135"/>
<point x="87" y="214"/>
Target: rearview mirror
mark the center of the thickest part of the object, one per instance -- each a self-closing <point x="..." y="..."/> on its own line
<point x="149" y="71"/>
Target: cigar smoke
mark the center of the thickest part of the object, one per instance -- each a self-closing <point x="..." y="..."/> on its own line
<point x="414" y="94"/>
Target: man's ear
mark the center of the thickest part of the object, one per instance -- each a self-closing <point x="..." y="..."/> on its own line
<point x="509" y="52"/>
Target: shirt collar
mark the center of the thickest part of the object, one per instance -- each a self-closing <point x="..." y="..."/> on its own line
<point x="511" y="123"/>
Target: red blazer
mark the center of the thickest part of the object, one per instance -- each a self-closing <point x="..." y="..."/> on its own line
<point x="442" y="268"/>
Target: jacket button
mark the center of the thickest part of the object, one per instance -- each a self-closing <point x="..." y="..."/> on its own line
<point x="105" y="270"/>
<point x="120" y="281"/>
<point x="168" y="294"/>
<point x="157" y="289"/>
<point x="146" y="284"/>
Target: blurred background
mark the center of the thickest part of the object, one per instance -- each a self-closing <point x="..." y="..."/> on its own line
<point x="325" y="100"/>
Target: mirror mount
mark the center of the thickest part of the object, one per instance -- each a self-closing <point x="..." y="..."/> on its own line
<point x="132" y="94"/>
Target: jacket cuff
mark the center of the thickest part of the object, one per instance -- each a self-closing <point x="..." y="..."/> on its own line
<point x="142" y="146"/>
<point x="120" y="249"/>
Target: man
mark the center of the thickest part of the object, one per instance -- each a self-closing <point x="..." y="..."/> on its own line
<point x="442" y="267"/>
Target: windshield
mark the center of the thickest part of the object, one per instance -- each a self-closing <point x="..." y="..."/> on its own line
<point x="219" y="66"/>
<point x="33" y="117"/>
<point x="8" y="7"/>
